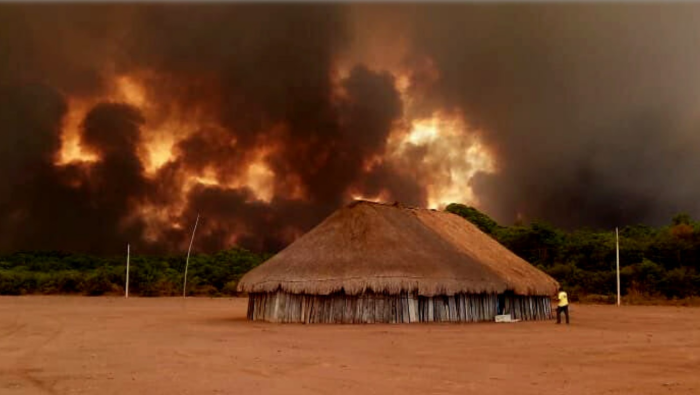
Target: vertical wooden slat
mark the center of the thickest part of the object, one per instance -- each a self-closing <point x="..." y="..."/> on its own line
<point x="403" y="308"/>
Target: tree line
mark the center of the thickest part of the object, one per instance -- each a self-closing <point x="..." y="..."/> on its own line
<point x="63" y="273"/>
<point x="655" y="262"/>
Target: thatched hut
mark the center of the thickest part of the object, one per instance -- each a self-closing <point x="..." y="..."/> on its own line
<point x="371" y="262"/>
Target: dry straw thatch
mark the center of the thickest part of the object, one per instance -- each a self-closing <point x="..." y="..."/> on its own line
<point x="372" y="247"/>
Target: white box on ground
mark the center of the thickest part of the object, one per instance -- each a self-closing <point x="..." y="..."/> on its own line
<point x="505" y="318"/>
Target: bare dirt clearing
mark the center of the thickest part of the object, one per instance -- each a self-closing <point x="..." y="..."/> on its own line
<point x="78" y="345"/>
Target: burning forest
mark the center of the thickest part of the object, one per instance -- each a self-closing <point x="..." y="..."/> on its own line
<point x="120" y="123"/>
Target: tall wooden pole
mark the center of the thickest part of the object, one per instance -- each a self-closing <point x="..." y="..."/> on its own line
<point x="126" y="294"/>
<point x="187" y="262"/>
<point x="617" y="253"/>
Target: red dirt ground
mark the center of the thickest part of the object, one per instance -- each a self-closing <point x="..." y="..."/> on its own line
<point x="79" y="345"/>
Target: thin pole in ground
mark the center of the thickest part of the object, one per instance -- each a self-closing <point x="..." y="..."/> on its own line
<point x="617" y="253"/>
<point x="187" y="262"/>
<point x="128" y="248"/>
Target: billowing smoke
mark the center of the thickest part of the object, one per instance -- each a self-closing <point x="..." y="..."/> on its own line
<point x="249" y="83"/>
<point x="591" y="110"/>
<point x="122" y="123"/>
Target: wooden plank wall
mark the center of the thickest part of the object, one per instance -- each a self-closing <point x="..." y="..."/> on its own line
<point x="381" y="308"/>
<point x="528" y="308"/>
<point x="457" y="308"/>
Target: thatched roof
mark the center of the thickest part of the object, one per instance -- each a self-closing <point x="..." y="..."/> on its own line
<point x="386" y="248"/>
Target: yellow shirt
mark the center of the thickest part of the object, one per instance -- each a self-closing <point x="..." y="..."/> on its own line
<point x="563" y="299"/>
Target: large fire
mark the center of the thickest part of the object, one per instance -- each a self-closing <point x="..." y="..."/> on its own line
<point x="158" y="139"/>
<point x="450" y="152"/>
<point x="451" y="155"/>
<point x="440" y="150"/>
<point x="71" y="149"/>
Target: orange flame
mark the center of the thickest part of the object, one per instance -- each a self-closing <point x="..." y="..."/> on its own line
<point x="451" y="155"/>
<point x="441" y="149"/>
<point x="71" y="150"/>
<point x="452" y="152"/>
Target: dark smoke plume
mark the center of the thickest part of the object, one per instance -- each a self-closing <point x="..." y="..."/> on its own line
<point x="261" y="73"/>
<point x="589" y="110"/>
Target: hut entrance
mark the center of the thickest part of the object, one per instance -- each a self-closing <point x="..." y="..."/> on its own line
<point x="504" y="301"/>
<point x="501" y="304"/>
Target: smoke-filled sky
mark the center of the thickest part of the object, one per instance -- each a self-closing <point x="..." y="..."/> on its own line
<point x="120" y="123"/>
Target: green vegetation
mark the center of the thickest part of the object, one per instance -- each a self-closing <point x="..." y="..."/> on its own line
<point x="654" y="262"/>
<point x="61" y="273"/>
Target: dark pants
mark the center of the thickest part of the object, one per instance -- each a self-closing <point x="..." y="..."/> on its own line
<point x="565" y="309"/>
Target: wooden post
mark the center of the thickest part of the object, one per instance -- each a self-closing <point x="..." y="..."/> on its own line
<point x="187" y="262"/>
<point x="617" y="250"/>
<point x="126" y="295"/>
<point x="412" y="307"/>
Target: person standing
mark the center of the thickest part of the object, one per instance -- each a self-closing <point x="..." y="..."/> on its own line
<point x="563" y="306"/>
